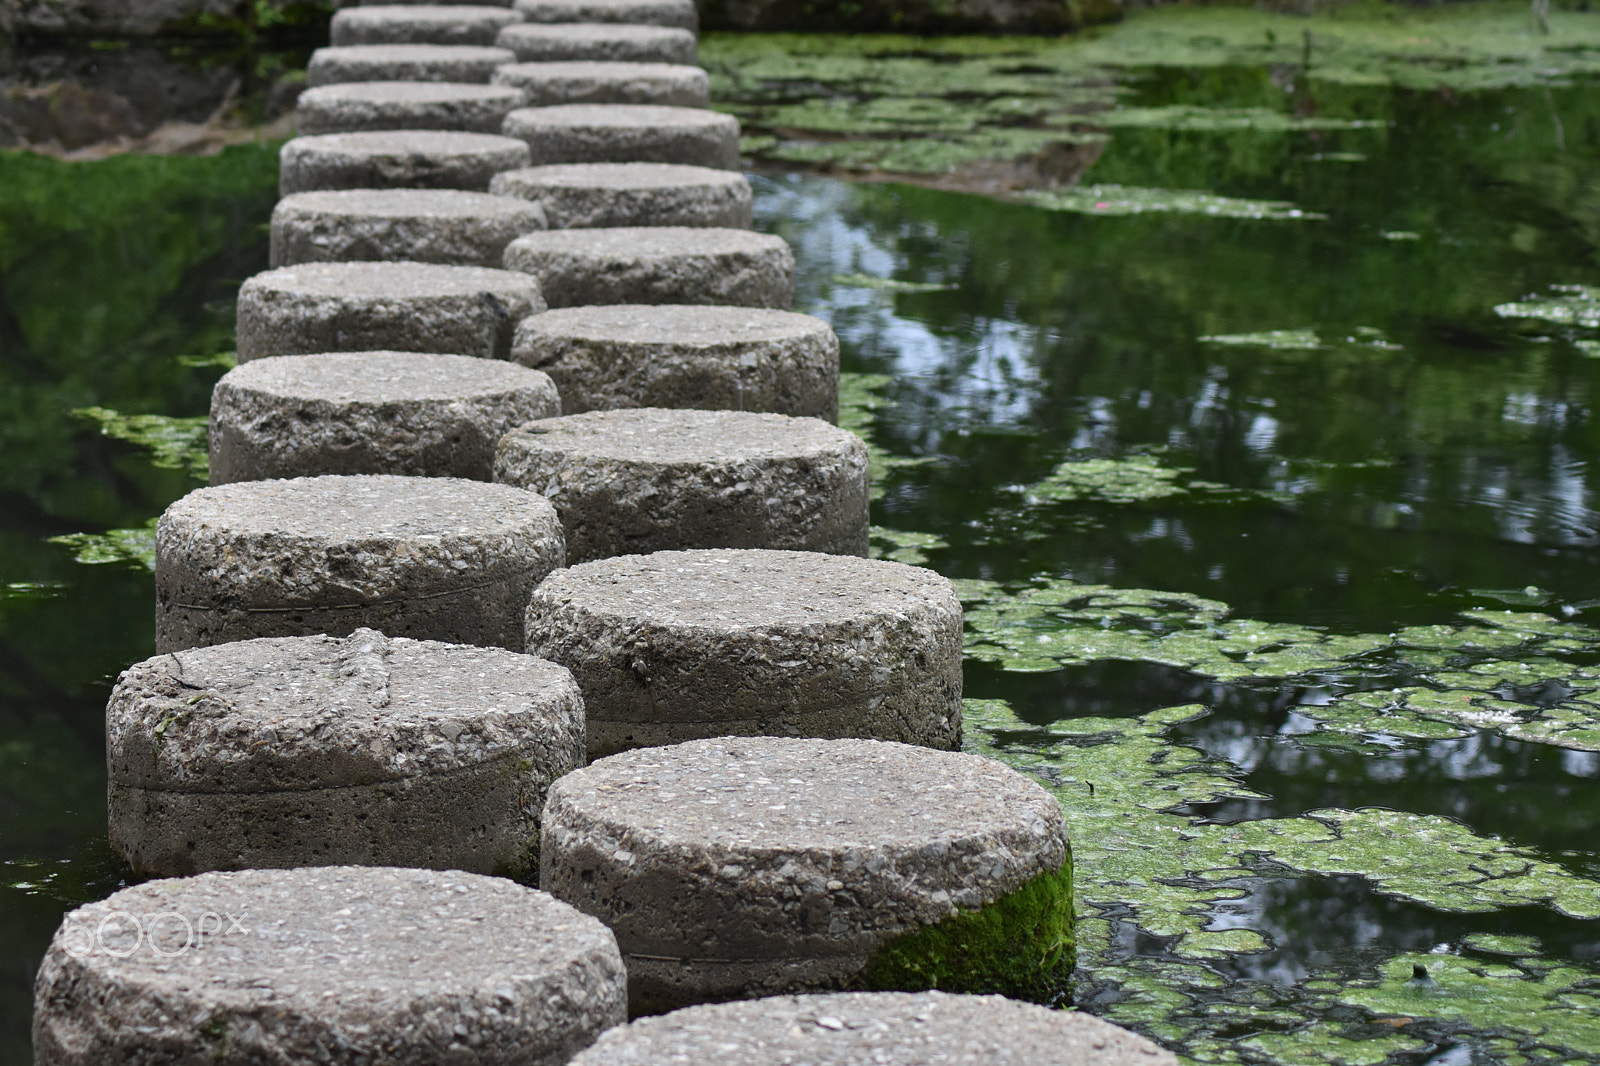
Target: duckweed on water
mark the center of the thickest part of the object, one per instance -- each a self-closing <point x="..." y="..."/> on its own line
<point x="1188" y="117"/>
<point x="135" y="547"/>
<point x="867" y="281"/>
<point x="901" y="547"/>
<point x="1125" y="200"/>
<point x="1129" y="480"/>
<point x="1579" y="305"/>
<point x="1303" y="340"/>
<point x="174" y="443"/>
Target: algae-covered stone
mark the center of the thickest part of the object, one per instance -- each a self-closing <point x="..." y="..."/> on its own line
<point x="408" y="307"/>
<point x="615" y="42"/>
<point x="741" y="867"/>
<point x="627" y="133"/>
<point x="681" y="645"/>
<point x="679" y="13"/>
<point x="608" y="195"/>
<point x="405" y="62"/>
<point x="317" y="751"/>
<point x="420" y="24"/>
<point x="431" y="558"/>
<point x="711" y="358"/>
<point x="657" y="265"/>
<point x="397" y="159"/>
<point x="646" y="479"/>
<point x="357" y="106"/>
<point x="370" y="413"/>
<point x="872" y="1028"/>
<point x="419" y="225"/>
<point x="382" y="964"/>
<point x="549" y="84"/>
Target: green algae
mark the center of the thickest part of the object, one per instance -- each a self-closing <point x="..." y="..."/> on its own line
<point x="1578" y="305"/>
<point x="868" y="281"/>
<point x="1132" y="480"/>
<point x="1502" y="945"/>
<point x="174" y="443"/>
<point x="1127" y="200"/>
<point x="903" y="547"/>
<point x="860" y="398"/>
<point x="1277" y="339"/>
<point x="1192" y="118"/>
<point x="134" y="547"/>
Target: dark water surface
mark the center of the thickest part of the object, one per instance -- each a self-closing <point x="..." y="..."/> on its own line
<point x="1352" y="540"/>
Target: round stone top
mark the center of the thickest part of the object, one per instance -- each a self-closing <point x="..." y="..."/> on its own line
<point x="669" y="436"/>
<point x="596" y="40"/>
<point x="644" y="242"/>
<point x="391" y="282"/>
<point x="400" y="963"/>
<point x="771" y="794"/>
<point x="423" y="62"/>
<point x="657" y="12"/>
<point x="677" y="325"/>
<point x="872" y="1028"/>
<point x="676" y="83"/>
<point x="382" y="377"/>
<point x="527" y="181"/>
<point x="730" y="589"/>
<point x="282" y="713"/>
<point x="419" y="24"/>
<point x="404" y="203"/>
<point x="613" y="116"/>
<point x="402" y="142"/>
<point x="405" y="92"/>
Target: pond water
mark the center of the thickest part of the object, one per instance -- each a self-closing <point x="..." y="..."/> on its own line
<point x="1264" y="458"/>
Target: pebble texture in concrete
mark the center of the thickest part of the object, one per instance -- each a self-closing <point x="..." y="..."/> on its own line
<point x="607" y="195"/>
<point x="711" y="358"/>
<point x="362" y="307"/>
<point x="873" y="1028"/>
<point x="405" y="62"/>
<point x="358" y="106"/>
<point x="657" y="265"/>
<point x="420" y="225"/>
<point x="431" y="558"/>
<point x="741" y="867"/>
<point x="680" y="645"/>
<point x="370" y="413"/>
<point x="331" y="964"/>
<point x="627" y="133"/>
<point x="397" y="159"/>
<point x="550" y="84"/>
<point x="599" y="42"/>
<point x="648" y="479"/>
<point x="330" y="751"/>
<point x="420" y="24"/>
<point x="679" y="13"/>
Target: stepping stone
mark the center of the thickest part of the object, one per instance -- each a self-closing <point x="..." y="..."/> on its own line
<point x="364" y="307"/>
<point x="420" y="225"/>
<point x="397" y="159"/>
<point x="405" y="62"/>
<point x="742" y="867"/>
<point x="872" y="1028"/>
<point x="420" y="24"/>
<point x="607" y="195"/>
<point x="627" y="133"/>
<point x="614" y="42"/>
<point x="407" y="413"/>
<point x="657" y="265"/>
<point x="549" y="84"/>
<point x="679" y="13"/>
<point x="427" y="557"/>
<point x="647" y="479"/>
<point x="331" y="751"/>
<point x="672" y="355"/>
<point x="333" y="964"/>
<point x="677" y="646"/>
<point x="357" y="106"/>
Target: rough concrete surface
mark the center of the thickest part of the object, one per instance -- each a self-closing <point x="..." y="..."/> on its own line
<point x="552" y="84"/>
<point x="673" y="355"/>
<point x="405" y="62"/>
<point x="614" y="42"/>
<point x="608" y="195"/>
<point x="657" y="265"/>
<point x="409" y="413"/>
<point x="330" y="964"/>
<point x="432" y="558"/>
<point x="450" y="226"/>
<point x="646" y="479"/>
<point x="627" y="133"/>
<point x="420" y="24"/>
<point x="397" y="159"/>
<point x="358" y="106"/>
<point x="679" y="13"/>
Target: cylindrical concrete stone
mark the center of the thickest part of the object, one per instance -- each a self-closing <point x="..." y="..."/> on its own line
<point x="420" y="24"/>
<point x="626" y="133"/>
<point x="614" y="42"/>
<point x="871" y="1029"/>
<point x="408" y="413"/>
<point x="743" y="867"/>
<point x="330" y="965"/>
<point x="332" y="751"/>
<point x="608" y="195"/>
<point x="711" y="358"/>
<point x="419" y="225"/>
<point x="364" y="307"/>
<point x="425" y="557"/>
<point x="552" y="84"/>
<point x="405" y="62"/>
<point x="648" y="479"/>
<point x="397" y="159"/>
<point x="657" y="265"/>
<point x="679" y="13"/>
<point x="683" y="645"/>
<point x="359" y="106"/>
